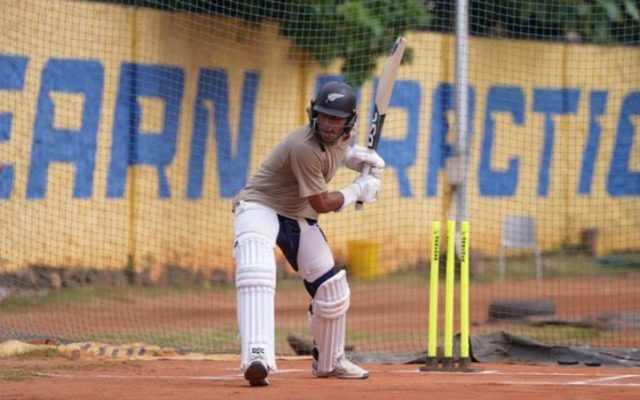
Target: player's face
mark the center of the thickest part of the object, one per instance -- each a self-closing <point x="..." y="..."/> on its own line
<point x="330" y="127"/>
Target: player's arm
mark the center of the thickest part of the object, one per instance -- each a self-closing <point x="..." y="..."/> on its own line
<point x="326" y="202"/>
<point x="364" y="188"/>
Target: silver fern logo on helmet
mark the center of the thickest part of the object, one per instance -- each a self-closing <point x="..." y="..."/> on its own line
<point x="334" y="96"/>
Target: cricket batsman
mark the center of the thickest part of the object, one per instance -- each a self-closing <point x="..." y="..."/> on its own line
<point x="280" y="206"/>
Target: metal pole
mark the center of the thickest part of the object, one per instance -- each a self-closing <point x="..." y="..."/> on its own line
<point x="462" y="107"/>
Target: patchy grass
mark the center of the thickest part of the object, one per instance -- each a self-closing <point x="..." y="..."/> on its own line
<point x="520" y="264"/>
<point x="564" y="334"/>
<point x="86" y="295"/>
<point x="192" y="340"/>
<point x="95" y="294"/>
<point x="225" y="340"/>
<point x="561" y="264"/>
<point x="49" y="352"/>
<point x="15" y="375"/>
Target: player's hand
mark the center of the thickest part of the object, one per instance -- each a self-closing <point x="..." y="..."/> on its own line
<point x="357" y="156"/>
<point x="364" y="188"/>
<point x="368" y="188"/>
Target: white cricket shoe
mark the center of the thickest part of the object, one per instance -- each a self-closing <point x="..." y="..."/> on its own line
<point x="256" y="373"/>
<point x="342" y="368"/>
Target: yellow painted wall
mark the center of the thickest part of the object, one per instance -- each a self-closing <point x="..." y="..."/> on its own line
<point x="102" y="232"/>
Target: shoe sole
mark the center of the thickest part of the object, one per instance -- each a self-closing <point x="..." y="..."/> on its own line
<point x="257" y="374"/>
<point x="331" y="375"/>
<point x="350" y="376"/>
<point x="342" y="376"/>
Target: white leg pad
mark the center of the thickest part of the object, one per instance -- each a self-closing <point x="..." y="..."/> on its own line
<point x="314" y="255"/>
<point x="255" y="286"/>
<point x="329" y="320"/>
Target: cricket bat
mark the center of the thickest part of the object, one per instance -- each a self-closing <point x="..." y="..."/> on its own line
<point x="383" y="95"/>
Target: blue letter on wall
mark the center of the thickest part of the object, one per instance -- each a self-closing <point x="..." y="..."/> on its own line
<point x="232" y="169"/>
<point x="51" y="144"/>
<point x="493" y="182"/>
<point x="550" y="102"/>
<point x="131" y="146"/>
<point x="621" y="181"/>
<point x="439" y="149"/>
<point x="597" y="105"/>
<point x="401" y="153"/>
<point x="12" y="71"/>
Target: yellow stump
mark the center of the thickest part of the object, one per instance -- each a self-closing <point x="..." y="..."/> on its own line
<point x="448" y="362"/>
<point x="449" y="292"/>
<point x="433" y="294"/>
<point x="363" y="259"/>
<point x="464" y="291"/>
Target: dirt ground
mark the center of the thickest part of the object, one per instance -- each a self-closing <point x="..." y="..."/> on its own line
<point x="59" y="378"/>
<point x="393" y="314"/>
<point x="383" y="317"/>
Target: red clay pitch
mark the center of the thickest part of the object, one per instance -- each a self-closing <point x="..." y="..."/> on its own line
<point x="57" y="378"/>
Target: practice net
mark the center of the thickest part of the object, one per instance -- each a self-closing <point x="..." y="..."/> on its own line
<point x="127" y="127"/>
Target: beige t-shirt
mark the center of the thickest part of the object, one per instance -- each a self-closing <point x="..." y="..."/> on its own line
<point x="296" y="169"/>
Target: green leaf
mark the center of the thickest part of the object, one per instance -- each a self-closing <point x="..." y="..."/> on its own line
<point x="584" y="9"/>
<point x="632" y="9"/>
<point x="358" y="15"/>
<point x="612" y="9"/>
<point x="601" y="32"/>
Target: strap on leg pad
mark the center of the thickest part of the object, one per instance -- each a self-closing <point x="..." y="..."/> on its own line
<point x="255" y="285"/>
<point x="329" y="320"/>
<point x="255" y="262"/>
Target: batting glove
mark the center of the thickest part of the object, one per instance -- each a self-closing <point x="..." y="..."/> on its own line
<point x="364" y="188"/>
<point x="357" y="156"/>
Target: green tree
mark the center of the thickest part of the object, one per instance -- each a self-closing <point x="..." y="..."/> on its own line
<point x="359" y="31"/>
<point x="590" y="21"/>
<point x="355" y="31"/>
